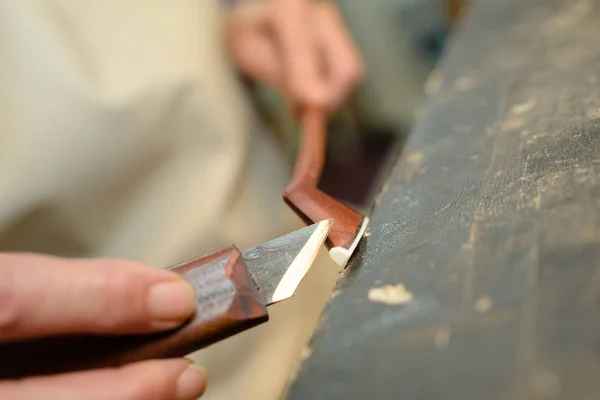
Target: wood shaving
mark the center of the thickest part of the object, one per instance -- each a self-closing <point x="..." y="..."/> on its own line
<point x="391" y="295"/>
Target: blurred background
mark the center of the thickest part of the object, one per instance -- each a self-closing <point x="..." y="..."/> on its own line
<point x="401" y="42"/>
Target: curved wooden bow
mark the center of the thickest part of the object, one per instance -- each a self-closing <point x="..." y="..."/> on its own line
<point x="312" y="204"/>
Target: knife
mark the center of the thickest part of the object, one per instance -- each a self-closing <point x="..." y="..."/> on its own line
<point x="233" y="290"/>
<point x="310" y="203"/>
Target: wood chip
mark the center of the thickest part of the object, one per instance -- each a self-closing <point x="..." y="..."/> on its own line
<point x="483" y="304"/>
<point x="391" y="295"/>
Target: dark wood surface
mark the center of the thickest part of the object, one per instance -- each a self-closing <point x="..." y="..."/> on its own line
<point x="228" y="302"/>
<point x="490" y="218"/>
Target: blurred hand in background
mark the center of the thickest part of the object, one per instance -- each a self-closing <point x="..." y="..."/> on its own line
<point x="300" y="48"/>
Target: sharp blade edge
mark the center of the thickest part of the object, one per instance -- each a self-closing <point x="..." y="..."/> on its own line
<point x="278" y="266"/>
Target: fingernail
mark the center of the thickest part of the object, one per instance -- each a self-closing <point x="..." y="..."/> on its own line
<point x="191" y="383"/>
<point x="170" y="303"/>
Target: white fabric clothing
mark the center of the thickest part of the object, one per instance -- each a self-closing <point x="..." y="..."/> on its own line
<point x="125" y="133"/>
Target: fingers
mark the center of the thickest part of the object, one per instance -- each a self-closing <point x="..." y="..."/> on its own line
<point x="299" y="47"/>
<point x="345" y="68"/>
<point x="42" y="295"/>
<point x="252" y="48"/>
<point x="303" y="74"/>
<point x="150" y="380"/>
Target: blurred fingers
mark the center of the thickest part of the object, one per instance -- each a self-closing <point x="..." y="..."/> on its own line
<point x="345" y="67"/>
<point x="293" y="26"/>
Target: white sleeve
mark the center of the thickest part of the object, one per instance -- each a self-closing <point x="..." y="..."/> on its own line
<point x="124" y="118"/>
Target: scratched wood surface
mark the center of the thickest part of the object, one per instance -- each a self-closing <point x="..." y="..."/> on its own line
<point x="491" y="220"/>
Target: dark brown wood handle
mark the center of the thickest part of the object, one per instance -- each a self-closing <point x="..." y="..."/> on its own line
<point x="302" y="193"/>
<point x="228" y="302"/>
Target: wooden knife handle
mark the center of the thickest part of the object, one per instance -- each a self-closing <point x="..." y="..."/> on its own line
<point x="228" y="302"/>
<point x="302" y="194"/>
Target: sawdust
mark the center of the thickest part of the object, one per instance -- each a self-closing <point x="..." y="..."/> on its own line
<point x="464" y="83"/>
<point x="391" y="295"/>
<point x="433" y="82"/>
<point x="442" y="337"/>
<point x="306" y="352"/>
<point x="523" y="107"/>
<point x="414" y="158"/>
<point x="483" y="304"/>
<point x="571" y="13"/>
<point x="295" y="371"/>
<point x="512" y="124"/>
<point x="441" y="210"/>
<point x="537" y="201"/>
<point x="411" y="165"/>
<point x="545" y="384"/>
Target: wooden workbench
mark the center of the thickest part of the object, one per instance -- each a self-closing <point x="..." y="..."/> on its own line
<point x="490" y="218"/>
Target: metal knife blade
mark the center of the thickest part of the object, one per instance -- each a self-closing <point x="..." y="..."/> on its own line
<point x="278" y="266"/>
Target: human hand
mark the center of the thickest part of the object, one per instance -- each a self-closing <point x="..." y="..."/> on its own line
<point x="44" y="296"/>
<point x="299" y="47"/>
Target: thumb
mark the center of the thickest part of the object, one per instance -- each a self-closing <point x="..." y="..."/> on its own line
<point x="42" y="295"/>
